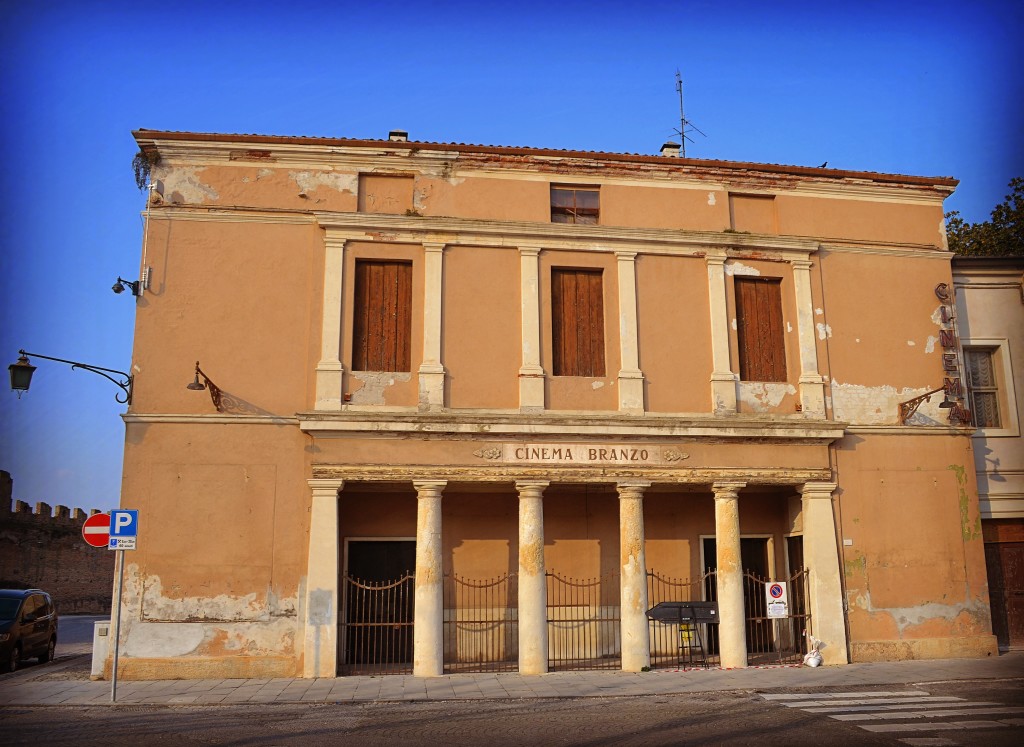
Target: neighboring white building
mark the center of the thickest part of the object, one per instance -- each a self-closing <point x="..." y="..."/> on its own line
<point x="990" y="300"/>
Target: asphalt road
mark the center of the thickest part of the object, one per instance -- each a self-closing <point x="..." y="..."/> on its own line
<point x="729" y="718"/>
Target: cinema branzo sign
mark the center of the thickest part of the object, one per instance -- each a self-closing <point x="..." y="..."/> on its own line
<point x="575" y="453"/>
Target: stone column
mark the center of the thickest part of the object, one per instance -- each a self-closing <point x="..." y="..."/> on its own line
<point x="812" y="384"/>
<point x="631" y="378"/>
<point x="533" y="597"/>
<point x="531" y="373"/>
<point x="321" y="597"/>
<point x="821" y="556"/>
<point x="431" y="371"/>
<point x="732" y="630"/>
<point x="636" y="646"/>
<point x="723" y="380"/>
<point x="329" y="370"/>
<point x="428" y="623"/>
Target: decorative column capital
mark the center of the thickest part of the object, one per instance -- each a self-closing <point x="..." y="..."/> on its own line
<point x="632" y="489"/>
<point x="818" y="489"/>
<point x="324" y="487"/>
<point x="531" y="488"/>
<point x="626" y="256"/>
<point x="726" y="490"/>
<point x="801" y="264"/>
<point x="715" y="257"/>
<point x="529" y="251"/>
<point x="432" y="246"/>
<point x="429" y="488"/>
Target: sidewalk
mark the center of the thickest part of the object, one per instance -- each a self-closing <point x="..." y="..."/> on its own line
<point x="38" y="686"/>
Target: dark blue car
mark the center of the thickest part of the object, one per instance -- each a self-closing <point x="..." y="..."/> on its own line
<point x="28" y="626"/>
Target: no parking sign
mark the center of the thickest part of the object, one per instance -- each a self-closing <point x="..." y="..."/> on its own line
<point x="777" y="597"/>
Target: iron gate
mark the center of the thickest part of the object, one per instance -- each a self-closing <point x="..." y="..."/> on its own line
<point x="481" y="625"/>
<point x="375" y="635"/>
<point x="769" y="640"/>
<point x="668" y="641"/>
<point x="583" y="623"/>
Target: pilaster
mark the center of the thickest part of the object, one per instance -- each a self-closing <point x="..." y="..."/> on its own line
<point x="531" y="373"/>
<point x="320" y="609"/>
<point x="631" y="378"/>
<point x="723" y="379"/>
<point x="821" y="556"/>
<point x="812" y="384"/>
<point x="431" y="371"/>
<point x="329" y="370"/>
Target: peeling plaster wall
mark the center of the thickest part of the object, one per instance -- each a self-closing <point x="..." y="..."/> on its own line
<point x="902" y="499"/>
<point x="760" y="396"/>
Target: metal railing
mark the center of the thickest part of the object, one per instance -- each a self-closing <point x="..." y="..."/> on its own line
<point x="583" y="623"/>
<point x="672" y="643"/>
<point x="481" y="625"/>
<point x="375" y="635"/>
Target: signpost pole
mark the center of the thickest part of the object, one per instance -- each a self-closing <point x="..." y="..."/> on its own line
<point x="117" y="625"/>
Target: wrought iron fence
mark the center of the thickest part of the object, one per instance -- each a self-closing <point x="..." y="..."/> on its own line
<point x="481" y="625"/>
<point x="776" y="640"/>
<point x="673" y="644"/>
<point x="375" y="635"/>
<point x="769" y="640"/>
<point x="583" y="623"/>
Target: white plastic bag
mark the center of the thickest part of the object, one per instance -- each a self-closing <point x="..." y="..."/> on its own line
<point x="813" y="657"/>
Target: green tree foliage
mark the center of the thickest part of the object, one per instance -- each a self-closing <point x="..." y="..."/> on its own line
<point x="1002" y="236"/>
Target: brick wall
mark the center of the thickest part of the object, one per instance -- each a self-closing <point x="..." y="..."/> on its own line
<point x="42" y="547"/>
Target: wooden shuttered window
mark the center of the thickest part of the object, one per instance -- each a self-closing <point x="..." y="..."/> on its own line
<point x="760" y="329"/>
<point x="577" y="322"/>
<point x="382" y="324"/>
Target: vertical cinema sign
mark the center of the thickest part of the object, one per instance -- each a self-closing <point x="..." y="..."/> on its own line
<point x="952" y="382"/>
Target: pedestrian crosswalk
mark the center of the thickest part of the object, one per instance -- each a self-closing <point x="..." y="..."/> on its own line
<point x="900" y="712"/>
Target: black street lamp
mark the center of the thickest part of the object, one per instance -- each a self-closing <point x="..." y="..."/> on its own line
<point x="21" y="375"/>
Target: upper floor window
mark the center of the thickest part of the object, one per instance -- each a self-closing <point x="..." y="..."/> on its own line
<point x="574" y="204"/>
<point x="577" y="322"/>
<point x="382" y="316"/>
<point x="981" y="380"/>
<point x="759" y="329"/>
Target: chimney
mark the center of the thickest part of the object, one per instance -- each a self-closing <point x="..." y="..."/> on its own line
<point x="398" y="136"/>
<point x="670" y="149"/>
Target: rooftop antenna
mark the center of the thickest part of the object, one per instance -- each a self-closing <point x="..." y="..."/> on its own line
<point x="685" y="125"/>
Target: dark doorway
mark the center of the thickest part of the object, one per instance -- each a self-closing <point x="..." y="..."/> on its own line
<point x="1005" y="561"/>
<point x="754" y="560"/>
<point x="378" y="596"/>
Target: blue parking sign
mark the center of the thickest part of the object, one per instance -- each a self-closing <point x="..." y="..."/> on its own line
<point x="124" y="523"/>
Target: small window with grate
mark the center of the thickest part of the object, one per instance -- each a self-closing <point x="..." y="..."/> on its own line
<point x="575" y="204"/>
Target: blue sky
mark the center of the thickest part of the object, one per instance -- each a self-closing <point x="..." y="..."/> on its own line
<point x="926" y="88"/>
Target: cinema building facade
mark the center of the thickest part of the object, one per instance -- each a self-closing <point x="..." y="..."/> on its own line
<point x="468" y="408"/>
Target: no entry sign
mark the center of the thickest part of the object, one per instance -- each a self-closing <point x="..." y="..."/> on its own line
<point x="96" y="530"/>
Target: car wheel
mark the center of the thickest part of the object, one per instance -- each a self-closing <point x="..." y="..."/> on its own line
<point x="12" y="661"/>
<point x="50" y="648"/>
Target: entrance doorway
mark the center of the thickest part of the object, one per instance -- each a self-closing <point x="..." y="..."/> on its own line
<point x="1005" y="561"/>
<point x="378" y="595"/>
